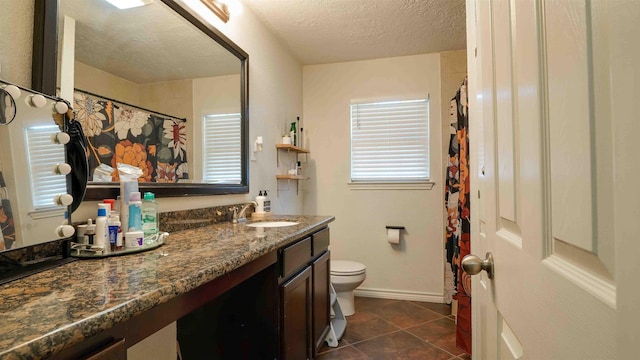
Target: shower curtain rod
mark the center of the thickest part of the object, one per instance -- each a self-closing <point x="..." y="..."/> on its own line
<point x="127" y="104"/>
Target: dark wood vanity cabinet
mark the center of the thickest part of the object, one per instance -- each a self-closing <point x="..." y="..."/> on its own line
<point x="304" y="296"/>
<point x="296" y="317"/>
<point x="275" y="307"/>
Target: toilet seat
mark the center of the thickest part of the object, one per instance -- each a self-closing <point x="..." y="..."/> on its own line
<point x="346" y="268"/>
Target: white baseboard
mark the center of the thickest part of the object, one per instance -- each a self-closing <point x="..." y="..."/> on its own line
<point x="399" y="295"/>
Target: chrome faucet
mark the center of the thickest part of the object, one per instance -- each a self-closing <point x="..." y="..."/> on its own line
<point x="239" y="216"/>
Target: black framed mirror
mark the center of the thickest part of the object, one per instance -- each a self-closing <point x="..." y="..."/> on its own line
<point x="46" y="77"/>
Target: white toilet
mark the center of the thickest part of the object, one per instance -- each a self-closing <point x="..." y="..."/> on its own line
<point x="346" y="276"/>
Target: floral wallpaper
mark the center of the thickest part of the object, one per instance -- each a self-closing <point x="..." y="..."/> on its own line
<point x="118" y="133"/>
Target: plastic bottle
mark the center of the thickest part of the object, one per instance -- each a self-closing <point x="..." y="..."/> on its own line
<point x="294" y="137"/>
<point x="135" y="212"/>
<point x="112" y="205"/>
<point x="128" y="185"/>
<point x="107" y="207"/>
<point x="90" y="233"/>
<point x="267" y="202"/>
<point x="260" y="201"/>
<point x="101" y="238"/>
<point x="149" y="215"/>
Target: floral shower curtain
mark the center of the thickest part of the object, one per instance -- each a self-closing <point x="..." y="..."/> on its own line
<point x="458" y="225"/>
<point x="121" y="133"/>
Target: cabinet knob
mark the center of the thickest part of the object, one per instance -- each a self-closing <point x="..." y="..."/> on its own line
<point x="62" y="169"/>
<point x="63" y="199"/>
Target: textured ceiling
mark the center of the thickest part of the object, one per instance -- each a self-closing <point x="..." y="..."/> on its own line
<point x="327" y="31"/>
<point x="152" y="44"/>
<point x="146" y="44"/>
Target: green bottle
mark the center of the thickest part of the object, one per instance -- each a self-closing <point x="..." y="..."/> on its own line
<point x="150" y="214"/>
<point x="294" y="137"/>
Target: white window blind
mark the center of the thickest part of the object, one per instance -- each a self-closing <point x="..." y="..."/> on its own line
<point x="43" y="154"/>
<point x="222" y="148"/>
<point x="390" y="141"/>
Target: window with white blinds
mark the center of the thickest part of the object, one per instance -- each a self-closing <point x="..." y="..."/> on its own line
<point x="390" y="142"/>
<point x="43" y="155"/>
<point x="222" y="149"/>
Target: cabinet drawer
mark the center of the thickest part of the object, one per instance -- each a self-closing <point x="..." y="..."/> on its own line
<point x="115" y="350"/>
<point x="320" y="241"/>
<point x="295" y="257"/>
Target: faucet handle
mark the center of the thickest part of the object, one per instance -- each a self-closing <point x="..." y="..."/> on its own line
<point x="235" y="212"/>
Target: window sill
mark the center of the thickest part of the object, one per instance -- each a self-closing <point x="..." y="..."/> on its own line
<point x="422" y="185"/>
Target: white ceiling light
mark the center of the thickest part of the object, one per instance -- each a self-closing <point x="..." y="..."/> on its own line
<point x="213" y="11"/>
<point x="126" y="4"/>
<point x="217" y="7"/>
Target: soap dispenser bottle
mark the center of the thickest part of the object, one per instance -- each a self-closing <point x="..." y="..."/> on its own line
<point x="267" y="202"/>
<point x="260" y="201"/>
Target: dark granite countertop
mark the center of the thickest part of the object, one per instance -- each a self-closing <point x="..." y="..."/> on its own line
<point x="52" y="310"/>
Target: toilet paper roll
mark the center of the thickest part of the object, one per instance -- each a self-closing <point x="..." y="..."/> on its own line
<point x="393" y="236"/>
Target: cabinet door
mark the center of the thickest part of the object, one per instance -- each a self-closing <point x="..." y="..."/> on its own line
<point x="296" y="317"/>
<point x="321" y="300"/>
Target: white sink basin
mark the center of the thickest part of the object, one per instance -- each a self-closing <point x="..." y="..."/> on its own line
<point x="272" y="224"/>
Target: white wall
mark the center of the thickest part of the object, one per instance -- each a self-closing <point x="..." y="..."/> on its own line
<point x="414" y="269"/>
<point x="16" y="41"/>
<point x="275" y="97"/>
<point x="213" y="95"/>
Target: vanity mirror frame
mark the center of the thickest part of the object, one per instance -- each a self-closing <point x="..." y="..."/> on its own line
<point x="44" y="74"/>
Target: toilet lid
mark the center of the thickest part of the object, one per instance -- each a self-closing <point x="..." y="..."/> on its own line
<point x="345" y="267"/>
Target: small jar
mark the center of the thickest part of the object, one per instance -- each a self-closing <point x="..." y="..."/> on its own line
<point x="133" y="239"/>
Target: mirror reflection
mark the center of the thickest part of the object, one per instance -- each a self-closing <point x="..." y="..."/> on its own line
<point x="32" y="148"/>
<point x="153" y="91"/>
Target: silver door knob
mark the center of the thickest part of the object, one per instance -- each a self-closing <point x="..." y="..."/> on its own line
<point x="472" y="264"/>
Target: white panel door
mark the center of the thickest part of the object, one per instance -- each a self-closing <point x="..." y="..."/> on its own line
<point x="545" y="138"/>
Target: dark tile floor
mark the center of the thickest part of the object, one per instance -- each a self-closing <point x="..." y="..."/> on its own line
<point x="398" y="330"/>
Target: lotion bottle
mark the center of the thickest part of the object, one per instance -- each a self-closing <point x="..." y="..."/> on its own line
<point x="102" y="233"/>
<point x="135" y="212"/>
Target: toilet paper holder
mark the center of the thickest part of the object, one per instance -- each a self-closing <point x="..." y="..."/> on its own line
<point x="393" y="234"/>
<point x="395" y="227"/>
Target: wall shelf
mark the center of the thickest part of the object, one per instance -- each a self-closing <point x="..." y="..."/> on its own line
<point x="292" y="177"/>
<point x="293" y="148"/>
<point x="297" y="151"/>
